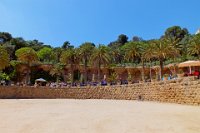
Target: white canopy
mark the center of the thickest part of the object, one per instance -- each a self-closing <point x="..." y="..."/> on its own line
<point x="189" y="63"/>
<point x="40" y="80"/>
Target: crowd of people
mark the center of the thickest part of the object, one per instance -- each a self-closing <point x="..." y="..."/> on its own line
<point x="195" y="73"/>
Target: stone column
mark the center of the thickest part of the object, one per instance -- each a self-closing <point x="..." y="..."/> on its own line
<point x="157" y="70"/>
<point x="105" y="73"/>
<point x="82" y="72"/>
<point x="119" y="72"/>
<point x="93" y="77"/>
<point x="131" y="73"/>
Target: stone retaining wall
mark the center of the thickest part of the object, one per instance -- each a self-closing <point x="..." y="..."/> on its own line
<point x="177" y="91"/>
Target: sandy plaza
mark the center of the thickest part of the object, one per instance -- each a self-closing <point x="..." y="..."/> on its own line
<point x="96" y="116"/>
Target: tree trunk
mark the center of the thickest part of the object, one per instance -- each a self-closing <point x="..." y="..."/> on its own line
<point x="72" y="77"/>
<point x="175" y="73"/>
<point x="57" y="78"/>
<point x="161" y="68"/>
<point x="72" y="74"/>
<point x="85" y="71"/>
<point x="81" y="78"/>
<point x="99" y="71"/>
<point x="28" y="80"/>
<point x="143" y="75"/>
<point x="150" y="73"/>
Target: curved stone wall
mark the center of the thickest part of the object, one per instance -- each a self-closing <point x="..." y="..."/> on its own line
<point x="176" y="91"/>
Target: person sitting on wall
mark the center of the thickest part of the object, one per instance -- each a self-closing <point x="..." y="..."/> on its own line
<point x="82" y="84"/>
<point x="126" y="82"/>
<point x="94" y="83"/>
<point x="186" y="74"/>
<point x="196" y="74"/>
<point x="103" y="83"/>
<point x="169" y="77"/>
<point x="121" y="82"/>
<point x="35" y="85"/>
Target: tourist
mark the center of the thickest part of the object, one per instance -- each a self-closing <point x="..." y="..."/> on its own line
<point x="196" y="74"/>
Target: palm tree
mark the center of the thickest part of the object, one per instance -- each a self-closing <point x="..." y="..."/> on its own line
<point x="45" y="54"/>
<point x="56" y="70"/>
<point x="4" y="58"/>
<point x="184" y="50"/>
<point x="113" y="78"/>
<point x="133" y="50"/>
<point x="66" y="45"/>
<point x="194" y="47"/>
<point x="70" y="57"/>
<point x="57" y="54"/>
<point x="142" y="46"/>
<point x="117" y="55"/>
<point x="163" y="50"/>
<point x="148" y="54"/>
<point x="28" y="56"/>
<point x="100" y="56"/>
<point x="85" y="52"/>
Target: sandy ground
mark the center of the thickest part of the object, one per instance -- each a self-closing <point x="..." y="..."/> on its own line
<point x="96" y="116"/>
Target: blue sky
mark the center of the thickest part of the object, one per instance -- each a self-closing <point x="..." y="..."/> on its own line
<point x="98" y="21"/>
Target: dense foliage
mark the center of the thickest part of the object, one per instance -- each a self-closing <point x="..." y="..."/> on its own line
<point x="175" y="45"/>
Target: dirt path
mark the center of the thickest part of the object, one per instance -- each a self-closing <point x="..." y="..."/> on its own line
<point x="96" y="116"/>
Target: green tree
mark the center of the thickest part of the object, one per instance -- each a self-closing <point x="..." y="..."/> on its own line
<point x="148" y="55"/>
<point x="142" y="47"/>
<point x="18" y="42"/>
<point x="122" y="39"/>
<point x="194" y="47"/>
<point x="4" y="76"/>
<point x="85" y="52"/>
<point x="176" y="32"/>
<point x="149" y="52"/>
<point x="27" y="56"/>
<point x="70" y="57"/>
<point x="67" y="45"/>
<point x="45" y="54"/>
<point x="100" y="57"/>
<point x="5" y="37"/>
<point x="36" y="45"/>
<point x="57" y="54"/>
<point x="4" y="58"/>
<point x="113" y="78"/>
<point x="162" y="51"/>
<point x="10" y="49"/>
<point x="137" y="39"/>
<point x="184" y="47"/>
<point x="57" y="70"/>
<point x="132" y="51"/>
<point x="13" y="45"/>
<point x="116" y="55"/>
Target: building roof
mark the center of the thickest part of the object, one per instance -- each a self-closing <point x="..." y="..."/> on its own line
<point x="189" y="63"/>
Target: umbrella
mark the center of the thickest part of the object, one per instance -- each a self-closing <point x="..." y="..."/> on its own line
<point x="40" y="80"/>
<point x="189" y="64"/>
<point x="171" y="65"/>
